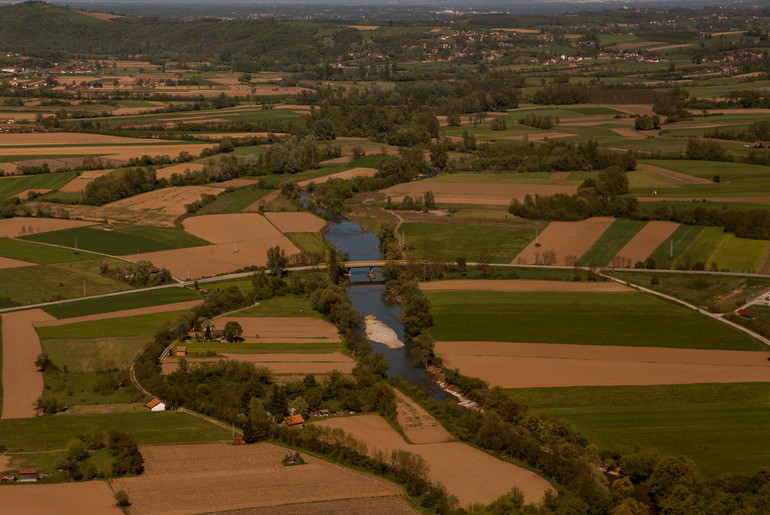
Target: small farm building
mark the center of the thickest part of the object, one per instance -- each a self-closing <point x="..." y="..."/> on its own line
<point x="156" y="405"/>
<point x="181" y="351"/>
<point x="294" y="422"/>
<point x="27" y="475"/>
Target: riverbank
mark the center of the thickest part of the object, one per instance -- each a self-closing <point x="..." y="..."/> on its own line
<point x="381" y="333"/>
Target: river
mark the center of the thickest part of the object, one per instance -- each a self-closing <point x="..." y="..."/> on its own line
<point x="359" y="245"/>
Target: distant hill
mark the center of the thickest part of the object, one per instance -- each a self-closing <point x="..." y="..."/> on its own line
<point x="35" y="27"/>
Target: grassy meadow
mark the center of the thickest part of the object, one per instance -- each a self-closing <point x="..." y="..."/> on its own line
<point x="586" y="318"/>
<point x="717" y="425"/>
<point x="33" y="252"/>
<point x="122" y="302"/>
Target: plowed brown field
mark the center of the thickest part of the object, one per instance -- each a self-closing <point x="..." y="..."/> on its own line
<point x="12" y="263"/>
<point x="79" y="183"/>
<point x="296" y="222"/>
<point x="391" y="505"/>
<point x="646" y="241"/>
<point x="90" y="497"/>
<point x="182" y="479"/>
<point x="521" y="285"/>
<point x="22" y="382"/>
<point x="167" y="201"/>
<point x="283" y="329"/>
<point x="15" y="227"/>
<point x="474" y="193"/>
<point x="470" y="474"/>
<point x="240" y="240"/>
<point x="528" y="365"/>
<point x="564" y="239"/>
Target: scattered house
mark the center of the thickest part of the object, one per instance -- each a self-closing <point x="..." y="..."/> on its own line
<point x="238" y="441"/>
<point x="27" y="475"/>
<point x="181" y="351"/>
<point x="745" y="313"/>
<point x="294" y="422"/>
<point x="156" y="405"/>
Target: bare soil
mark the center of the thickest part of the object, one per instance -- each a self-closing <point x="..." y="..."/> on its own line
<point x="564" y="239"/>
<point x="296" y="222"/>
<point x="419" y="426"/>
<point x="67" y="138"/>
<point x="91" y="497"/>
<point x="12" y="263"/>
<point x="79" y="183"/>
<point x="167" y="201"/>
<point x="22" y="382"/>
<point x="474" y="193"/>
<point x="15" y="227"/>
<point x="528" y="365"/>
<point x="522" y="285"/>
<point x="186" y="479"/>
<point x="283" y="329"/>
<point x="364" y="27"/>
<point x="23" y="195"/>
<point x="390" y="504"/>
<point x="646" y="241"/>
<point x="468" y="473"/>
<point x="629" y="133"/>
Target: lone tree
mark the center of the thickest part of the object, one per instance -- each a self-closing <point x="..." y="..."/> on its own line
<point x="233" y="330"/>
<point x="43" y="362"/>
<point x="276" y="260"/>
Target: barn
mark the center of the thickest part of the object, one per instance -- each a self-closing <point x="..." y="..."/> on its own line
<point x="156" y="405"/>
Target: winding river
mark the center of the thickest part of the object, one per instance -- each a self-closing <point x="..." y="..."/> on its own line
<point x="359" y="245"/>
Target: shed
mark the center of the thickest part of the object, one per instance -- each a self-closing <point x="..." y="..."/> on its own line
<point x="181" y="351"/>
<point x="27" y="475"/>
<point x="156" y="405"/>
<point x="294" y="422"/>
<point x="745" y="313"/>
<point x="238" y="441"/>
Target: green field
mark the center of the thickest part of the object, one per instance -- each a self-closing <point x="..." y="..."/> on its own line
<point x="450" y="242"/>
<point x="719" y="293"/>
<point x="53" y="432"/>
<point x="628" y="319"/>
<point x="58" y="281"/>
<point x="718" y="425"/>
<point x="41" y="254"/>
<point x="682" y="238"/>
<point x="310" y="242"/>
<point x="611" y="241"/>
<point x="101" y="345"/>
<point x="199" y="349"/>
<point x="285" y="306"/>
<point x="82" y="388"/>
<point x="44" y="181"/>
<point x="119" y="243"/>
<point x="723" y="251"/>
<point x="736" y="179"/>
<point x="121" y="302"/>
<point x="233" y="201"/>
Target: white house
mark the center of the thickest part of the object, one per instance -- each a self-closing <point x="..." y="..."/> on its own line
<point x="156" y="405"/>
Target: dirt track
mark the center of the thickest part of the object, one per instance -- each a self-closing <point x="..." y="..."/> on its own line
<point x="646" y="241"/>
<point x="521" y="285"/>
<point x="182" y="479"/>
<point x="495" y="194"/>
<point x="679" y="177"/>
<point x="22" y="382"/>
<point x="90" y="497"/>
<point x="470" y="474"/>
<point x="15" y="227"/>
<point x="536" y="365"/>
<point x="419" y="425"/>
<point x="564" y="239"/>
